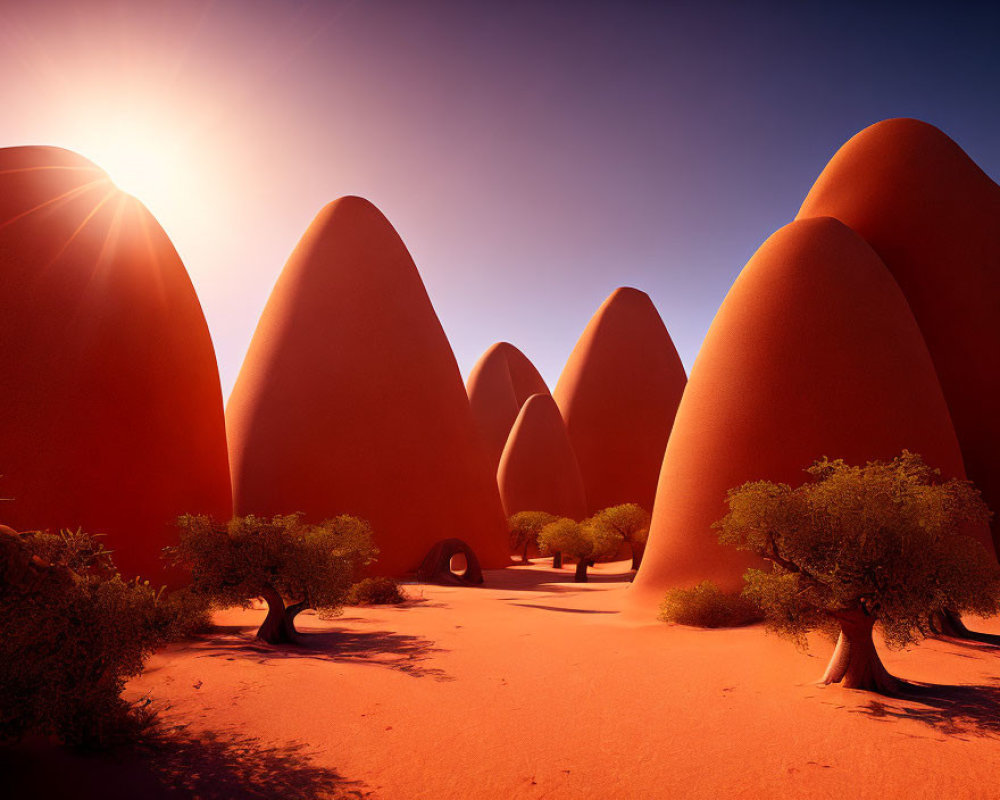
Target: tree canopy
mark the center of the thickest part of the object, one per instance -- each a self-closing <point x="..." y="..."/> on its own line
<point x="586" y="544"/>
<point x="631" y="521"/>
<point x="292" y="564"/>
<point x="885" y="542"/>
<point x="524" y="527"/>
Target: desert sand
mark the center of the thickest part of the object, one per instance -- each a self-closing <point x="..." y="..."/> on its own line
<point x="535" y="687"/>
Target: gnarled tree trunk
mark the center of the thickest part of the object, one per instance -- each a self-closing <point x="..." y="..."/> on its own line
<point x="581" y="570"/>
<point x="637" y="550"/>
<point x="949" y="623"/>
<point x="279" y="624"/>
<point x="855" y="663"/>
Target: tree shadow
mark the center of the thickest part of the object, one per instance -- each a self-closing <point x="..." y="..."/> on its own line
<point x="952" y="710"/>
<point x="172" y="764"/>
<point x="565" y="610"/>
<point x="396" y="651"/>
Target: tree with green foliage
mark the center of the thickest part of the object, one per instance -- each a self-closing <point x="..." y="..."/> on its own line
<point x="631" y="521"/>
<point x="73" y="631"/>
<point x="586" y="544"/>
<point x="857" y="546"/>
<point x="291" y="564"/>
<point x="524" y="527"/>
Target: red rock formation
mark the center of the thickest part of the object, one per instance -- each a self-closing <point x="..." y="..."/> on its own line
<point x="934" y="218"/>
<point x="538" y="470"/>
<point x="814" y="352"/>
<point x="350" y="400"/>
<point x="499" y="384"/>
<point x="618" y="394"/>
<point x="111" y="412"/>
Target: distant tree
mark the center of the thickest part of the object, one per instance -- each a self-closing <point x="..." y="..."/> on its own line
<point x="73" y="631"/>
<point x="586" y="544"/>
<point x="629" y="520"/>
<point x="289" y="563"/>
<point x="857" y="546"/>
<point x="524" y="527"/>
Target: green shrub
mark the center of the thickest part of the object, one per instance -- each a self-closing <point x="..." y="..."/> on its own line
<point x="375" y="592"/>
<point x="73" y="632"/>
<point x="706" y="606"/>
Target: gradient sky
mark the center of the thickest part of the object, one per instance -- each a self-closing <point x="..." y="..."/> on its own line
<point x="532" y="155"/>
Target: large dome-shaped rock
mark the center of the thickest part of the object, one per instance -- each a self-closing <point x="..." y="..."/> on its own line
<point x="814" y="352"/>
<point x="499" y="385"/>
<point x="538" y="470"/>
<point x="934" y="218"/>
<point x="350" y="400"/>
<point x="111" y="414"/>
<point x="618" y="394"/>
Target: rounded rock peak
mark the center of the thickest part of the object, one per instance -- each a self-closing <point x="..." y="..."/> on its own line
<point x="538" y="469"/>
<point x="34" y="156"/>
<point x="813" y="352"/>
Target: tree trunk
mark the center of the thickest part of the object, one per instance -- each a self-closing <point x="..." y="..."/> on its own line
<point x="949" y="623"/>
<point x="557" y="561"/>
<point x="524" y="553"/>
<point x="279" y="625"/>
<point x="581" y="570"/>
<point x="637" y="550"/>
<point x="855" y="663"/>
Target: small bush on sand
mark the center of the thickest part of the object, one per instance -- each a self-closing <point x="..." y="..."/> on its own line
<point x="375" y="592"/>
<point x="73" y="631"/>
<point x="706" y="606"/>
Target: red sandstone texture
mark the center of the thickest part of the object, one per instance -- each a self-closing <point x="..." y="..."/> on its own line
<point x="618" y="394"/>
<point x="350" y="400"/>
<point x="934" y="218"/>
<point x="538" y="470"/>
<point x="111" y="414"/>
<point x="814" y="352"/>
<point x="499" y="385"/>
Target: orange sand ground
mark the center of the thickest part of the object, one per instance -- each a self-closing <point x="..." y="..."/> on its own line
<point x="533" y="687"/>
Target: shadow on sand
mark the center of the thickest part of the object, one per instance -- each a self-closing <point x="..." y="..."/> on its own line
<point x="951" y="710"/>
<point x="173" y="764"/>
<point x="396" y="651"/>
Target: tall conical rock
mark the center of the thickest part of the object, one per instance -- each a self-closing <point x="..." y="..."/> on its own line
<point x="499" y="385"/>
<point x="350" y="400"/>
<point x="814" y="352"/>
<point x="538" y="469"/>
<point x="934" y="218"/>
<point x="618" y="394"/>
<point x="111" y="414"/>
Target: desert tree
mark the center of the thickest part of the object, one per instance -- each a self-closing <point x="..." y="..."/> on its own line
<point x="73" y="631"/>
<point x="291" y="564"/>
<point x="524" y="527"/>
<point x="859" y="545"/>
<point x="631" y="521"/>
<point x="586" y="544"/>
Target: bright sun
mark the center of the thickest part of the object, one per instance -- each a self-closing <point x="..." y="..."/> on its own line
<point x="145" y="160"/>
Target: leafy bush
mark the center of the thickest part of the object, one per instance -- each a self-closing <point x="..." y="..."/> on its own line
<point x="630" y="521"/>
<point x="375" y="592"/>
<point x="524" y="527"/>
<point x="293" y="565"/>
<point x="706" y="606"/>
<point x="73" y="633"/>
<point x="588" y="544"/>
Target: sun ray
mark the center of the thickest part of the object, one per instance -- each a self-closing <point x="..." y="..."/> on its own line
<point x="84" y="187"/>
